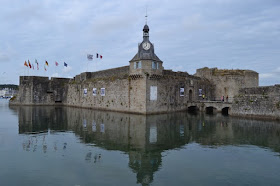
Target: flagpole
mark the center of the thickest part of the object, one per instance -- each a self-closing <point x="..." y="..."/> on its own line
<point x="56" y="69"/>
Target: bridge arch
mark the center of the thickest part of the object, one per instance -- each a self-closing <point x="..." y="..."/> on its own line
<point x="193" y="109"/>
<point x="210" y="110"/>
<point x="226" y="111"/>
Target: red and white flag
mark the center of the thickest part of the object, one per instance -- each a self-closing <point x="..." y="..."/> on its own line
<point x="56" y="63"/>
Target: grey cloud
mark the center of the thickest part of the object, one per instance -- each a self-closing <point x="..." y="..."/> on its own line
<point x="187" y="34"/>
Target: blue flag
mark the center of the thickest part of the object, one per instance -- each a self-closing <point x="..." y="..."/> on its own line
<point x="65" y="64"/>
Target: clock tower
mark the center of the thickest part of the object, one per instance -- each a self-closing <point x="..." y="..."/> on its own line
<point x="145" y="62"/>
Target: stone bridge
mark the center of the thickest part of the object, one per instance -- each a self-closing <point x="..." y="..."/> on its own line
<point x="211" y="107"/>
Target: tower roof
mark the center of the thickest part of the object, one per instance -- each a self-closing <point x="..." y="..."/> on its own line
<point x="146" y="28"/>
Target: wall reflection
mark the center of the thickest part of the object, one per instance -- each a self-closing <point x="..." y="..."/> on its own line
<point x="143" y="138"/>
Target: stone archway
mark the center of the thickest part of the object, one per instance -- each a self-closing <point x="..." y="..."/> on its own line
<point x="226" y="111"/>
<point x="190" y="95"/>
<point x="193" y="109"/>
<point x="210" y="110"/>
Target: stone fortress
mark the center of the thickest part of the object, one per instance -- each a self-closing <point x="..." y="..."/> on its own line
<point x="145" y="87"/>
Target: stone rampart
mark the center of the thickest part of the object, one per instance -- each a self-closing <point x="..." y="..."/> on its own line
<point x="263" y="102"/>
<point x="228" y="82"/>
<point x="169" y="95"/>
<point x="114" y="72"/>
<point x="115" y="95"/>
<point x="35" y="90"/>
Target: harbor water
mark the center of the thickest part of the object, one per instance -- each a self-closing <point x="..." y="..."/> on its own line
<point x="47" y="145"/>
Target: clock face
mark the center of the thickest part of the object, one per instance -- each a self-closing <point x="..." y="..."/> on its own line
<point x="146" y="45"/>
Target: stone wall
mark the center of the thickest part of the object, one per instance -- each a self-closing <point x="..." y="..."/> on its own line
<point x="228" y="82"/>
<point x="116" y="96"/>
<point x="263" y="102"/>
<point x="168" y="92"/>
<point x="132" y="94"/>
<point x="123" y="92"/>
<point x="114" y="72"/>
<point x="35" y="90"/>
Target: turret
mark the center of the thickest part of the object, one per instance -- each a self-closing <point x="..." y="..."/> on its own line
<point x="146" y="61"/>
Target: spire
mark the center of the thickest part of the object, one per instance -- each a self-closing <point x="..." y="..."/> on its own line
<point x="146" y="16"/>
<point x="146" y="27"/>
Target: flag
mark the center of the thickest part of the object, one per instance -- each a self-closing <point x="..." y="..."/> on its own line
<point x="37" y="64"/>
<point x="45" y="68"/>
<point x="100" y="57"/>
<point x="90" y="57"/>
<point x="65" y="64"/>
<point x="29" y="64"/>
<point x="33" y="66"/>
<point x="25" y="64"/>
<point x="56" y="63"/>
<point x="96" y="55"/>
<point x="47" y="63"/>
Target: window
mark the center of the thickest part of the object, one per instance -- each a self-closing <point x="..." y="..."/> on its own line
<point x="153" y="93"/>
<point x="94" y="91"/>
<point x="154" y="65"/>
<point x="137" y="65"/>
<point x="85" y="92"/>
<point x="200" y="92"/>
<point x="102" y="127"/>
<point x="182" y="91"/>
<point x="93" y="126"/>
<point x="102" y="92"/>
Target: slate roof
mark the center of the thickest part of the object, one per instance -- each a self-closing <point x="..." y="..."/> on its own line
<point x="147" y="56"/>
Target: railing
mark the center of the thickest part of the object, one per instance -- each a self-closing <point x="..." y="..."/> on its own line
<point x="217" y="100"/>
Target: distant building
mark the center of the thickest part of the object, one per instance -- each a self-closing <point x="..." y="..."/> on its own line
<point x="8" y="92"/>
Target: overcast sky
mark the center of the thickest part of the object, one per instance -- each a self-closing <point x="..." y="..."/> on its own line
<point x="187" y="34"/>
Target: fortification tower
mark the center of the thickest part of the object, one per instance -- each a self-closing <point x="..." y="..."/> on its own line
<point x="145" y="61"/>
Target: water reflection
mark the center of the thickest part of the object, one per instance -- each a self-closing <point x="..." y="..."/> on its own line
<point x="143" y="138"/>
